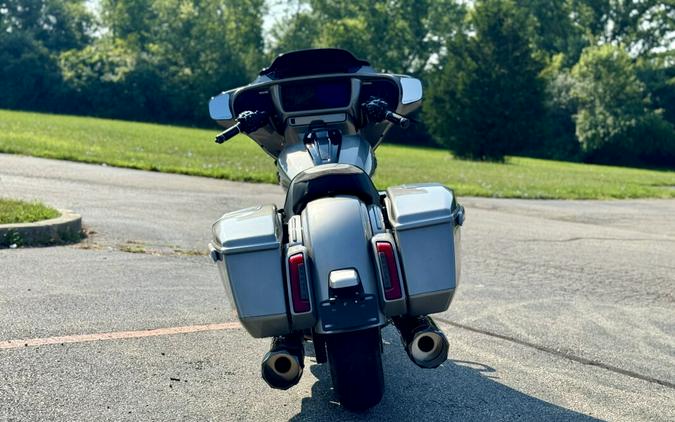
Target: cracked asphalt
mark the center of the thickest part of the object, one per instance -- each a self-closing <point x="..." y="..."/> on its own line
<point x="565" y="311"/>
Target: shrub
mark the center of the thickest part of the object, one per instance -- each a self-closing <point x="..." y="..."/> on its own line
<point x="614" y="122"/>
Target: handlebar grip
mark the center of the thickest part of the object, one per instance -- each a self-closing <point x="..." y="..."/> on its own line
<point x="397" y="119"/>
<point x="227" y="134"/>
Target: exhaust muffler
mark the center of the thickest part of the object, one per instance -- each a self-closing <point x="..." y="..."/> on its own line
<point x="282" y="365"/>
<point x="424" y="342"/>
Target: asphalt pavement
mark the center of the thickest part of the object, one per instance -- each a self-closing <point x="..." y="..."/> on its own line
<point x="565" y="312"/>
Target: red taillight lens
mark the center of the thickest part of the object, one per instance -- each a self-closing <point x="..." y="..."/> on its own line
<point x="299" y="287"/>
<point x="389" y="270"/>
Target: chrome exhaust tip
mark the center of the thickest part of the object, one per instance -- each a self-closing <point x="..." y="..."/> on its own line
<point x="424" y="342"/>
<point x="282" y="366"/>
<point x="429" y="349"/>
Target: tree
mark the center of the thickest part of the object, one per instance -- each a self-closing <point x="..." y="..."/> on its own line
<point x="129" y="19"/>
<point x="614" y="120"/>
<point x="394" y="35"/>
<point x="163" y="59"/>
<point x="658" y="75"/>
<point x="487" y="99"/>
<point x="645" y="27"/>
<point x="610" y="97"/>
<point x="32" y="34"/>
<point x="558" y="133"/>
<point x="554" y="30"/>
<point x="57" y="25"/>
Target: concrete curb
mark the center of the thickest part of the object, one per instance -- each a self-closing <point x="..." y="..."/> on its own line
<point x="64" y="229"/>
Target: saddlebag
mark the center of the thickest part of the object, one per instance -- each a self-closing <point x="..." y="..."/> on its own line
<point x="247" y="246"/>
<point x="426" y="221"/>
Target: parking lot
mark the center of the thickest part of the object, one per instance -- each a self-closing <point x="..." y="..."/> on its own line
<point x="565" y="311"/>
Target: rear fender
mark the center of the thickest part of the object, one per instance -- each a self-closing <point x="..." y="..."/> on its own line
<point x="337" y="235"/>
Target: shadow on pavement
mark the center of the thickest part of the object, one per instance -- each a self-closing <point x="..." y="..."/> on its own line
<point x="458" y="390"/>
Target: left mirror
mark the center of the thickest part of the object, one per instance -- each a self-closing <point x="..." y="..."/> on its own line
<point x="411" y="90"/>
<point x="219" y="107"/>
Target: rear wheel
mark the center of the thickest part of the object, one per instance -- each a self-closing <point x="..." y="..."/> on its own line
<point x="356" y="368"/>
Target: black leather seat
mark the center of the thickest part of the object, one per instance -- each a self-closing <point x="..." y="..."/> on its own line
<point x="329" y="180"/>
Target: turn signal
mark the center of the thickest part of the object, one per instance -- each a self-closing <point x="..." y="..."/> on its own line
<point x="389" y="271"/>
<point x="299" y="286"/>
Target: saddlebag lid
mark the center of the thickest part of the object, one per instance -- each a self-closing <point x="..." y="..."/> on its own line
<point x="420" y="205"/>
<point x="251" y="229"/>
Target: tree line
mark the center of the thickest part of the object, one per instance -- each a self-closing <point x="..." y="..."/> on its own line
<point x="586" y="80"/>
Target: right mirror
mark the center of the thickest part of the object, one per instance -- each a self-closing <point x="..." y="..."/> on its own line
<point x="412" y="90"/>
<point x="219" y="107"/>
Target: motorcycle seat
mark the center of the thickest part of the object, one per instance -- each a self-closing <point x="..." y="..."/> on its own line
<point x="329" y="180"/>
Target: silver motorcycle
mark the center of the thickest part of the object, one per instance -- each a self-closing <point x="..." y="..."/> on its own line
<point x="340" y="260"/>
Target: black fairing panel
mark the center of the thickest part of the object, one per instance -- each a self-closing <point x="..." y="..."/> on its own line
<point x="329" y="180"/>
<point x="318" y="61"/>
<point x="253" y="99"/>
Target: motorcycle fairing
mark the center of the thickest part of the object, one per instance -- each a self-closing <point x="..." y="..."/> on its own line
<point x="314" y="61"/>
<point x="288" y="127"/>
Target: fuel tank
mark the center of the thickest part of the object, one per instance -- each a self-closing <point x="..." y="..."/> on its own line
<point x="353" y="150"/>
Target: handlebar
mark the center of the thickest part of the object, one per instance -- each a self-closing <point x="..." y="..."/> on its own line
<point x="376" y="110"/>
<point x="247" y="122"/>
<point x="228" y="134"/>
<point x="397" y="119"/>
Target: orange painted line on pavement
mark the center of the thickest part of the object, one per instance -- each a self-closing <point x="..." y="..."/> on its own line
<point x="81" y="338"/>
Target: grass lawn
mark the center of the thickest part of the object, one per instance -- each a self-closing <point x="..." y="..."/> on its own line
<point x="13" y="211"/>
<point x="192" y="151"/>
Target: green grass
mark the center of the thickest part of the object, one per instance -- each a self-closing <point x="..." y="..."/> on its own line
<point x="192" y="151"/>
<point x="13" y="211"/>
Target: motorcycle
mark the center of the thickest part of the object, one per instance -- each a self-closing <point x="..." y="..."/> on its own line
<point x="340" y="260"/>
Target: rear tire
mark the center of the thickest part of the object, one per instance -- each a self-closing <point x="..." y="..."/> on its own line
<point x="356" y="368"/>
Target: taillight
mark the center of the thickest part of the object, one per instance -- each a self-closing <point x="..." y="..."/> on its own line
<point x="389" y="271"/>
<point x="299" y="287"/>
